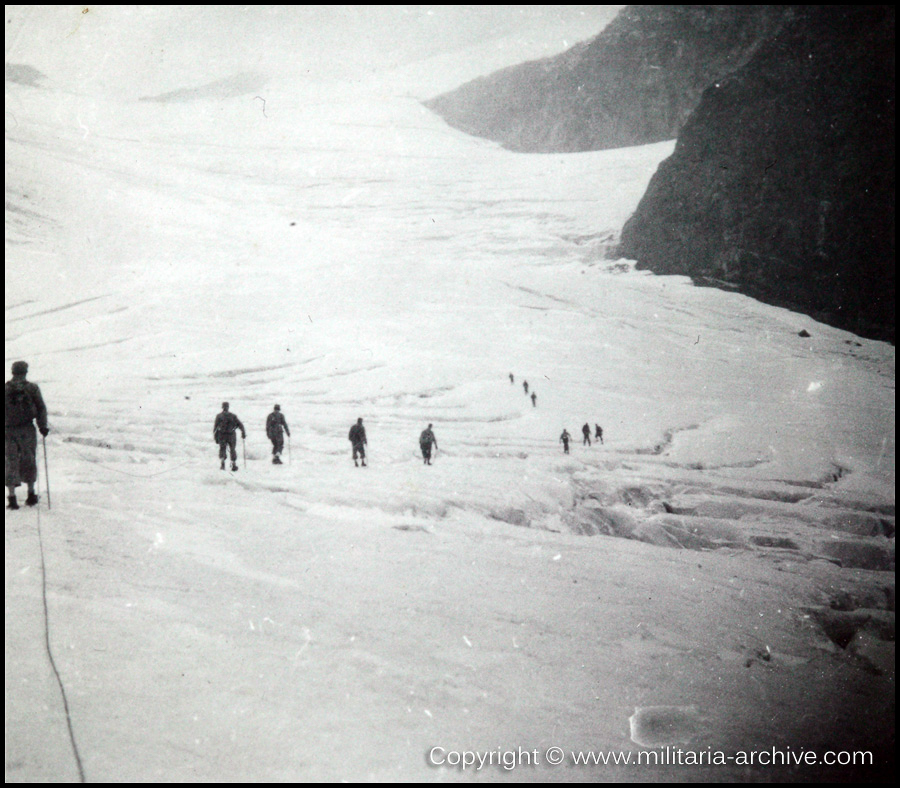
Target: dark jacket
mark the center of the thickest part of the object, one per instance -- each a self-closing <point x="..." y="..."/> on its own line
<point x="275" y="423"/>
<point x="226" y="424"/>
<point x="24" y="404"/>
<point x="427" y="438"/>
<point x="357" y="435"/>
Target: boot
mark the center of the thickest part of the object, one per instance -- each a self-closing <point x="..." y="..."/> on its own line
<point x="234" y="466"/>
<point x="276" y="460"/>
<point x="13" y="503"/>
<point x="222" y="466"/>
<point x="31" y="500"/>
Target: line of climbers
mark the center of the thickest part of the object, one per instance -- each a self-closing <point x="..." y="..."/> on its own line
<point x="227" y="424"/>
<point x="565" y="437"/>
<point x="25" y="406"/>
<point x="586" y="439"/>
<point x="512" y="379"/>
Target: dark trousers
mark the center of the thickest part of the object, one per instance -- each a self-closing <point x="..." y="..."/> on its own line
<point x="359" y="450"/>
<point x="228" y="442"/>
<point x="20" y="444"/>
<point x="277" y="443"/>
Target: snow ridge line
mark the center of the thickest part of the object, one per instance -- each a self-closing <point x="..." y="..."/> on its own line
<point x="49" y="650"/>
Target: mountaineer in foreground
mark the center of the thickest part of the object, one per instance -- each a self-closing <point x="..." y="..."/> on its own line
<point x="24" y="406"/>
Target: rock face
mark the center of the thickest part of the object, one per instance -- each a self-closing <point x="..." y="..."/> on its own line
<point x="635" y="83"/>
<point x="782" y="181"/>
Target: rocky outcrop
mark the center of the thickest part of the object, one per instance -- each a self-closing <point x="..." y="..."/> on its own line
<point x="781" y="185"/>
<point x="635" y="83"/>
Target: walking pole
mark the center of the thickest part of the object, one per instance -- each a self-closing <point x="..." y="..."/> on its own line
<point x="46" y="471"/>
<point x="289" y="448"/>
<point x="244" y="449"/>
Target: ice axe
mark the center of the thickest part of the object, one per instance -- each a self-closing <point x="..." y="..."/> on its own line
<point x="46" y="470"/>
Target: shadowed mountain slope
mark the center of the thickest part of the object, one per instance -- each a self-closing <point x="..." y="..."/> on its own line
<point x="635" y="83"/>
<point x="782" y="182"/>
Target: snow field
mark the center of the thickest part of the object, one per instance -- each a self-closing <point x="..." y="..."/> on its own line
<point x="345" y="254"/>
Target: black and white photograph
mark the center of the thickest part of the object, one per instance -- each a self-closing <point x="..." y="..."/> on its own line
<point x="450" y="394"/>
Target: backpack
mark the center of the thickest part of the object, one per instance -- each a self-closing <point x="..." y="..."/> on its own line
<point x="20" y="407"/>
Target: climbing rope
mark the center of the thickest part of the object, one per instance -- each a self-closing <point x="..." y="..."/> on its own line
<point x="125" y="473"/>
<point x="49" y="650"/>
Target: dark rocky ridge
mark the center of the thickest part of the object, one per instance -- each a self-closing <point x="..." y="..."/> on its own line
<point x="635" y="83"/>
<point x="782" y="181"/>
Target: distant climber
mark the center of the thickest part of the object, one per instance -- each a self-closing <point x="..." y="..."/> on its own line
<point x="598" y="434"/>
<point x="357" y="438"/>
<point x="525" y="385"/>
<point x="224" y="433"/>
<point x="533" y="400"/>
<point x="586" y="431"/>
<point x="564" y="439"/>
<point x="24" y="406"/>
<point x="426" y="441"/>
<point x="276" y="426"/>
<point x="511" y="378"/>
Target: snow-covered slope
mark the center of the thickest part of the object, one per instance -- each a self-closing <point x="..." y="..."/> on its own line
<point x="335" y="248"/>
